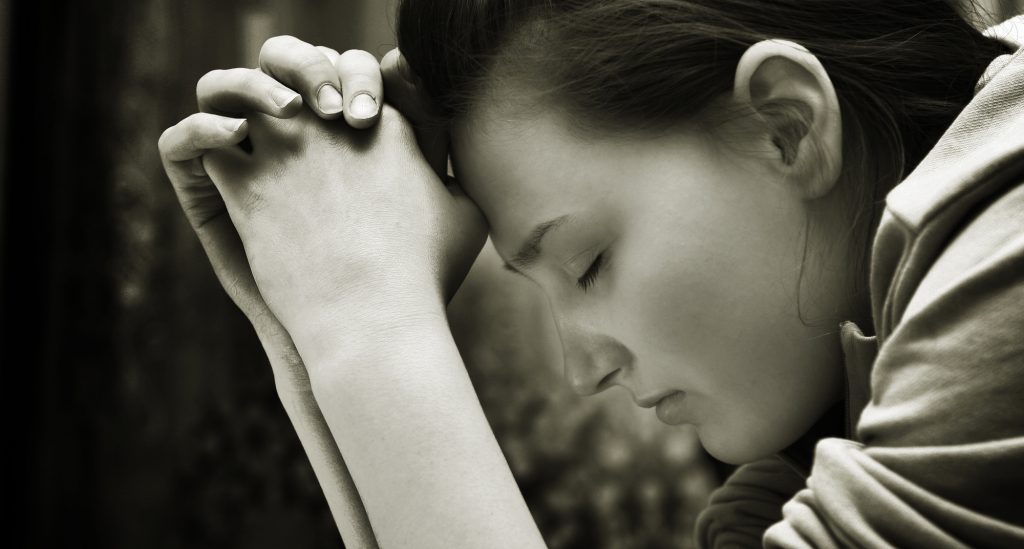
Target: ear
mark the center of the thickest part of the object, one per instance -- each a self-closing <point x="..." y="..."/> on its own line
<point x="790" y="90"/>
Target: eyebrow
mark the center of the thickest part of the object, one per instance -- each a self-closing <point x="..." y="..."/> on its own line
<point x="530" y="249"/>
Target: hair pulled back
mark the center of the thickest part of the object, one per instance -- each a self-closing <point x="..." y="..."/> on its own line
<point x="902" y="69"/>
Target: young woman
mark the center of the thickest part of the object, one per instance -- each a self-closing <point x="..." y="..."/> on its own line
<point x="797" y="226"/>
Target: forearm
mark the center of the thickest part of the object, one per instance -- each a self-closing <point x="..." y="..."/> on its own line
<point x="296" y="396"/>
<point x="404" y="413"/>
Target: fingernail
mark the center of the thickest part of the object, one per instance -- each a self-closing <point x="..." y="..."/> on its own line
<point x="328" y="98"/>
<point x="232" y="125"/>
<point x="283" y="96"/>
<point x="362" y="106"/>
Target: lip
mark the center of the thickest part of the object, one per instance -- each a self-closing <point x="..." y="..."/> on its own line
<point x="653" y="400"/>
<point x="672" y="409"/>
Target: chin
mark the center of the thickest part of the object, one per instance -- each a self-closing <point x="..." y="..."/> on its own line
<point x="736" y="449"/>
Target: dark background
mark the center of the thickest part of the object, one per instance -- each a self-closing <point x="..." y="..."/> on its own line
<point x="139" y="408"/>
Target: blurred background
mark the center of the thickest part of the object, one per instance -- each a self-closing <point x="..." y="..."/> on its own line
<point x="140" y="409"/>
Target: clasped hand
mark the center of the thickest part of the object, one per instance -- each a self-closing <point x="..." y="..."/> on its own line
<point x="320" y="224"/>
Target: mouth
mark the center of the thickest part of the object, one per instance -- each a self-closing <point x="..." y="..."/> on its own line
<point x="672" y="409"/>
<point x="653" y="400"/>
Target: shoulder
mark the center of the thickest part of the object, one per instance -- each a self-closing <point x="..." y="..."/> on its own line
<point x="951" y="369"/>
<point x="947" y="282"/>
<point x="968" y="178"/>
<point x="985" y="250"/>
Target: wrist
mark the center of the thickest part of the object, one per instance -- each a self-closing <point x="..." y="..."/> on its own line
<point x="344" y="334"/>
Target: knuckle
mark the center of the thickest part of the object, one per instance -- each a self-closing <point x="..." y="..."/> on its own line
<point x="358" y="62"/>
<point x="162" y="143"/>
<point x="192" y="127"/>
<point x="207" y="79"/>
<point x="330" y="52"/>
<point x="191" y="121"/>
<point x="356" y="56"/>
<point x="164" y="136"/>
<point x="236" y="80"/>
<point x="275" y="43"/>
<point x="249" y="79"/>
<point x="308" y="59"/>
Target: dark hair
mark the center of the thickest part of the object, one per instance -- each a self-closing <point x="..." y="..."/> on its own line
<point x="902" y="69"/>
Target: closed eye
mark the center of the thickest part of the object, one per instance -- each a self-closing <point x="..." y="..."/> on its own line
<point x="588" y="278"/>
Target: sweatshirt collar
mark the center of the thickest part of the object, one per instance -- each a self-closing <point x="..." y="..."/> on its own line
<point x="1011" y="34"/>
<point x="859" y="350"/>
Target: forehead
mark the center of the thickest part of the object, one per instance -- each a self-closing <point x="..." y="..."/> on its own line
<point x="526" y="169"/>
<point x="523" y="170"/>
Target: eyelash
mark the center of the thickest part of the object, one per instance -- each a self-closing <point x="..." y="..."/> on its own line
<point x="588" y="278"/>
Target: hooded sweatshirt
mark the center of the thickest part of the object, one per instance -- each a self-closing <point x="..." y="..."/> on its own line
<point x="927" y="447"/>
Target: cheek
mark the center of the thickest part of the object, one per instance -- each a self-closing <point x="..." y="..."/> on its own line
<point x="714" y="263"/>
<point x="724" y="327"/>
<point x="705" y="305"/>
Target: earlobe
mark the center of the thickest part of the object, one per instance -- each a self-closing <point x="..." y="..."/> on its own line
<point x="791" y="92"/>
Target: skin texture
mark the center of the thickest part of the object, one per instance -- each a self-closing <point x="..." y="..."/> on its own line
<point x="703" y="240"/>
<point x="702" y="246"/>
<point x="699" y="292"/>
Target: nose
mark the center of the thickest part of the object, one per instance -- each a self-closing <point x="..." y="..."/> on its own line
<point x="593" y="362"/>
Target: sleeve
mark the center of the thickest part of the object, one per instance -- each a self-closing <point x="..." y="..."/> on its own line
<point x="941" y="457"/>
<point x="748" y="503"/>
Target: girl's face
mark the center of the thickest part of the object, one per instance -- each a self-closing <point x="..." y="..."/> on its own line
<point x="671" y="265"/>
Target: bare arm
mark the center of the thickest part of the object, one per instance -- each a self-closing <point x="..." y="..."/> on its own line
<point x="296" y="396"/>
<point x="355" y="250"/>
<point x="428" y="468"/>
<point x="181" y="150"/>
<point x="403" y="411"/>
